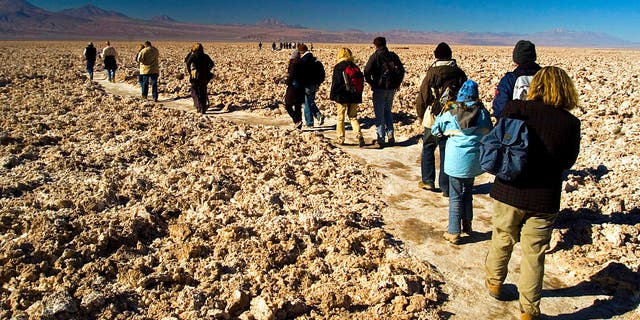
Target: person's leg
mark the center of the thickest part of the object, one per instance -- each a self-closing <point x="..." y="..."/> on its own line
<point x="388" y="115"/>
<point x="378" y="110"/>
<point x="467" y="199"/>
<point x="145" y="85"/>
<point x="202" y="95"/>
<point x="352" y="112"/>
<point x="291" y="112"/>
<point x="154" y="86"/>
<point x="297" y="113"/>
<point x="342" y="109"/>
<point x="534" y="241"/>
<point x="443" y="178"/>
<point x="427" y="161"/>
<point x="456" y="204"/>
<point x="313" y="107"/>
<point x="309" y="97"/>
<point x="506" y="222"/>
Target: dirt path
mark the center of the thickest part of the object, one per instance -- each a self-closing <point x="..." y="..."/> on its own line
<point x="418" y="218"/>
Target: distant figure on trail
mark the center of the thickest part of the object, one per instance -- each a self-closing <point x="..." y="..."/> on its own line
<point x="260" y="45"/>
<point x="384" y="72"/>
<point x="311" y="74"/>
<point x="89" y="55"/>
<point x="149" y="69"/>
<point x="199" y="66"/>
<point x="441" y="84"/>
<point x="294" y="96"/>
<point x="524" y="56"/>
<point x="347" y="83"/>
<point x="526" y="208"/>
<point x="273" y="46"/>
<point x="110" y="59"/>
<point x="464" y="122"/>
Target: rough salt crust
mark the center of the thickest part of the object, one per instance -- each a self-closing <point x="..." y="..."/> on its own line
<point x="115" y="208"/>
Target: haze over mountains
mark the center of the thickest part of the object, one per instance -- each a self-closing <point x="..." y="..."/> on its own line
<point x="20" y="20"/>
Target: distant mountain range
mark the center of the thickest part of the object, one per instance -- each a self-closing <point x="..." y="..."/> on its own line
<point x="20" y="20"/>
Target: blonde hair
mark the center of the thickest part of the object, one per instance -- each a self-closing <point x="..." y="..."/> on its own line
<point x="553" y="87"/>
<point x="197" y="47"/>
<point x="344" y="54"/>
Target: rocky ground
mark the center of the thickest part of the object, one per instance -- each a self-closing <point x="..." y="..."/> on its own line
<point x="116" y="208"/>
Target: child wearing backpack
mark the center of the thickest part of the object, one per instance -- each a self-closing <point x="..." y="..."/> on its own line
<point x="464" y="122"/>
<point x="346" y="90"/>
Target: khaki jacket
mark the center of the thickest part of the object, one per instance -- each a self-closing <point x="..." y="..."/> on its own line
<point x="149" y="60"/>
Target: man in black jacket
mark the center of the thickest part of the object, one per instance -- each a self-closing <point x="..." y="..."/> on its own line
<point x="444" y="74"/>
<point x="310" y="77"/>
<point x="384" y="72"/>
<point x="90" y="54"/>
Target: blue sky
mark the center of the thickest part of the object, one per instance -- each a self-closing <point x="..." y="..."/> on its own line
<point x="617" y="18"/>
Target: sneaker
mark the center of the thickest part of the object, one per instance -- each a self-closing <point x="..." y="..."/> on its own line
<point x="298" y="125"/>
<point x="466" y="226"/>
<point x="361" y="142"/>
<point x="426" y="185"/>
<point x="452" y="237"/>
<point x="391" y="140"/>
<point x="379" y="143"/>
<point x="339" y="140"/>
<point x="321" y="120"/>
<point x="445" y="194"/>
<point x="494" y="291"/>
<point x="526" y="316"/>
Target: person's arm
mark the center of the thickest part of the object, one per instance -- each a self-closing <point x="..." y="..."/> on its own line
<point x="504" y="93"/>
<point x="369" y="69"/>
<point x="336" y="83"/>
<point x="421" y="98"/>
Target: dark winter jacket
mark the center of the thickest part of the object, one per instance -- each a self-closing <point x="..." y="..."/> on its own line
<point x="504" y="91"/>
<point x="440" y="72"/>
<point x="373" y="69"/>
<point x="201" y="63"/>
<point x="305" y="73"/>
<point x="90" y="53"/>
<point x="295" y="92"/>
<point x="554" y="143"/>
<point x="339" y="92"/>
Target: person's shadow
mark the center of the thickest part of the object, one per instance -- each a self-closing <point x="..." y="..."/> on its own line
<point x="615" y="280"/>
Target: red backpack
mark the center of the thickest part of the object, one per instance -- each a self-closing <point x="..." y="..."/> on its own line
<point x="353" y="78"/>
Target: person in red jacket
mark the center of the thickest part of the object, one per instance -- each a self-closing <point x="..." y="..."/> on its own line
<point x="525" y="208"/>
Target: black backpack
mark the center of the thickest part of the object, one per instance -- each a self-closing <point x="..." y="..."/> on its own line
<point x="317" y="72"/>
<point x="391" y="71"/>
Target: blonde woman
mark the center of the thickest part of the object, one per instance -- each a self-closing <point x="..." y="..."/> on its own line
<point x="525" y="209"/>
<point x="346" y="90"/>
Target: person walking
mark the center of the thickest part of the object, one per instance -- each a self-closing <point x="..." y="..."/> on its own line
<point x="465" y="122"/>
<point x="525" y="208"/>
<point x="199" y="66"/>
<point x="384" y="72"/>
<point x="441" y="84"/>
<point x="524" y="56"/>
<point x="149" y="69"/>
<point x="346" y="90"/>
<point x="110" y="59"/>
<point x="90" y="53"/>
<point x="310" y="76"/>
<point x="294" y="95"/>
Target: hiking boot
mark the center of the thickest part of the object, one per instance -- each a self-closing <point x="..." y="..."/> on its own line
<point x="452" y="237"/>
<point x="426" y="185"/>
<point x="466" y="226"/>
<point x="494" y="291"/>
<point x="321" y="120"/>
<point x="379" y="143"/>
<point x="526" y="316"/>
<point x="445" y="194"/>
<point x="361" y="142"/>
<point x="339" y="140"/>
<point x="391" y="140"/>
<point x="298" y="125"/>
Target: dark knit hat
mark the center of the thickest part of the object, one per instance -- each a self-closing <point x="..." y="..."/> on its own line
<point x="468" y="91"/>
<point x="524" y="52"/>
<point x="442" y="52"/>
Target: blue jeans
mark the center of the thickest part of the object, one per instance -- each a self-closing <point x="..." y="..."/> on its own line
<point x="310" y="108"/>
<point x="90" y="65"/>
<point x="428" y="160"/>
<point x="154" y="85"/>
<point x="382" y="103"/>
<point x="111" y="74"/>
<point x="460" y="202"/>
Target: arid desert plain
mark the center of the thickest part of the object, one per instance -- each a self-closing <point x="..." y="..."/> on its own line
<point x="112" y="207"/>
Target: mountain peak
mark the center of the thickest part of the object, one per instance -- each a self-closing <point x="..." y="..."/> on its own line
<point x="90" y="11"/>
<point x="163" y="18"/>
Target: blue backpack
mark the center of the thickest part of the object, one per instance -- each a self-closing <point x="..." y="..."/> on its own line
<point x="503" y="151"/>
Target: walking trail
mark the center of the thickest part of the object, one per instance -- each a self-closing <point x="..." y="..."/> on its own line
<point x="418" y="218"/>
